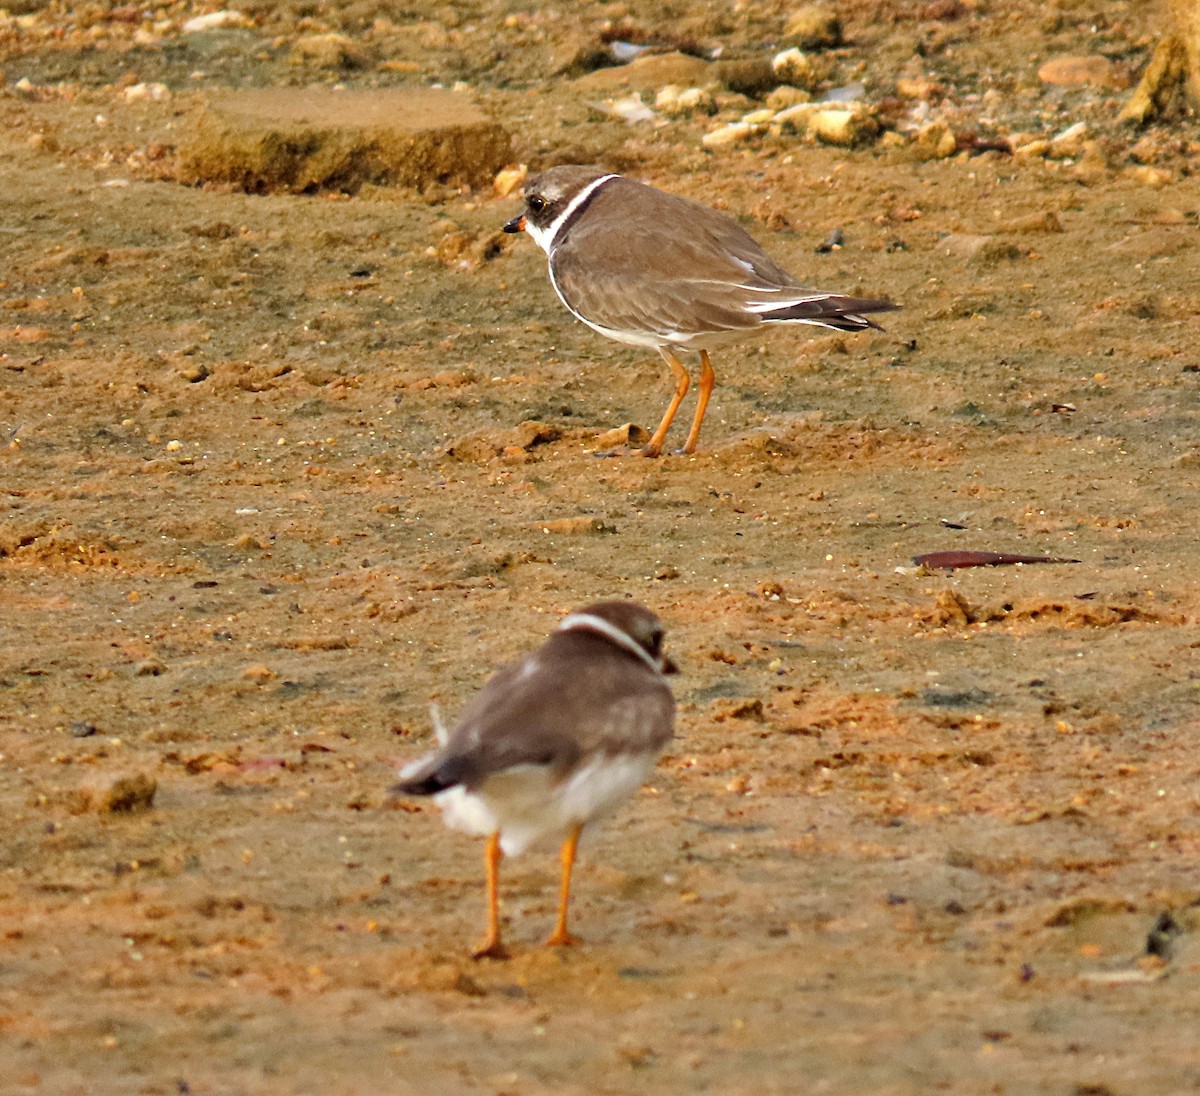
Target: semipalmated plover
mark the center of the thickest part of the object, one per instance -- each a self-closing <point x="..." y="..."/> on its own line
<point x="649" y="268"/>
<point x="553" y="741"/>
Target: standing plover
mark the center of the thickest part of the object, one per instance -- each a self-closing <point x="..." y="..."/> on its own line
<point x="649" y="268"/>
<point x="553" y="741"/>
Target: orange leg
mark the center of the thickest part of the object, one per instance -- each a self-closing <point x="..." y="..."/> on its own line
<point x="682" y="383"/>
<point x="560" y="937"/>
<point x="707" y="379"/>
<point x="491" y="947"/>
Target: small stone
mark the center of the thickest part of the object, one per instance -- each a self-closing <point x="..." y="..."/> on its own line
<point x="1032" y="150"/>
<point x="106" y="794"/>
<point x="194" y="372"/>
<point x="1073" y="71"/>
<point x="1033" y="223"/>
<point x="330" y="51"/>
<point x="1149" y="176"/>
<point x="738" y="708"/>
<point x="735" y="133"/>
<point x="482" y="446"/>
<point x="759" y="117"/>
<point x="793" y="66"/>
<point x="580" y="526"/>
<point x="795" y="119"/>
<point x="259" y="673"/>
<point x="81" y="729"/>
<point x="678" y="102"/>
<point x="951" y="608"/>
<point x="652" y="71"/>
<point x="814" y="26"/>
<point x="786" y="96"/>
<point x="1070" y="142"/>
<point x="935" y="141"/>
<point x="751" y="76"/>
<point x="919" y="87"/>
<point x="509" y="179"/>
<point x="979" y="250"/>
<point x="846" y="128"/>
<point x="1146" y="151"/>
<point x="150" y="667"/>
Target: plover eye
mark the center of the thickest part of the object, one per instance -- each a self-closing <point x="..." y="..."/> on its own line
<point x="536" y="203"/>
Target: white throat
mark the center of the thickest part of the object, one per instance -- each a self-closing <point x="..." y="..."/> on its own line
<point x="586" y="622"/>
<point x="544" y="237"/>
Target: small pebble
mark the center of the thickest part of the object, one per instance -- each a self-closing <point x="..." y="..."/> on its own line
<point x="259" y="673"/>
<point x="793" y="66"/>
<point x="814" y="26"/>
<point x="680" y="102"/>
<point x="509" y="179"/>
<point x="108" y="794"/>
<point x="846" y="128"/>
<point x="735" y="133"/>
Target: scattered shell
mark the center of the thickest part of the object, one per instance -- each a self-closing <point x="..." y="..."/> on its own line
<point x="215" y="20"/>
<point x="630" y="434"/>
<point x="1070" y="142"/>
<point x="630" y="109"/>
<point x="141" y="93"/>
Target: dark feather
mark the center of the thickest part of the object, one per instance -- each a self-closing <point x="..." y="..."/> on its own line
<point x="840" y="313"/>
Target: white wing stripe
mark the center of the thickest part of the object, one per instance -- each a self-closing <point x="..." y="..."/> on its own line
<point x="777" y="306"/>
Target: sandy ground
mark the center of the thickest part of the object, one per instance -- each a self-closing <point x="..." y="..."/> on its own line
<point x="267" y="494"/>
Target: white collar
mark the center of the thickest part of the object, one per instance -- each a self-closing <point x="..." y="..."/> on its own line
<point x="586" y="622"/>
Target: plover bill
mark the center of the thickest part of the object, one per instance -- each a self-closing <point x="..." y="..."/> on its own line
<point x="553" y="742"/>
<point x="651" y="269"/>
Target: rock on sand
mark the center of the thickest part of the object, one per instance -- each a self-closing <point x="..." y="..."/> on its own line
<point x="303" y="139"/>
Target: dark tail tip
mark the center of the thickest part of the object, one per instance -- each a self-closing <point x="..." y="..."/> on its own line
<point x="429" y="784"/>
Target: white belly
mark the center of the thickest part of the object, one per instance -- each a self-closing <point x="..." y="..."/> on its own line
<point x="527" y="806"/>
